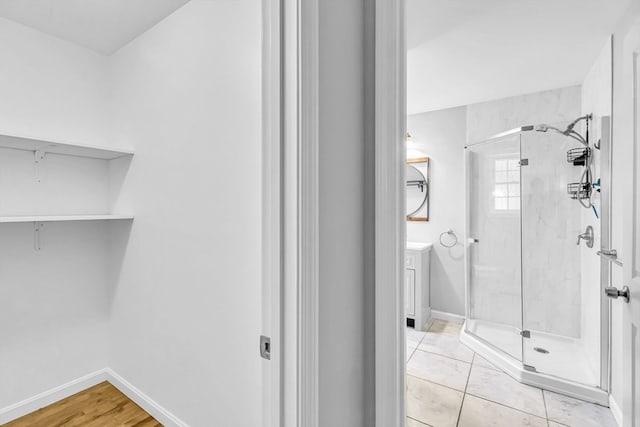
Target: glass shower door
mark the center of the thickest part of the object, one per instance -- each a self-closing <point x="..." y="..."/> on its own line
<point x="493" y="230"/>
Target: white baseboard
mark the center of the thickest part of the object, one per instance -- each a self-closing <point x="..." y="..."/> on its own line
<point x="53" y="395"/>
<point x="615" y="410"/>
<point x="449" y="317"/>
<point x="158" y="412"/>
<point x="63" y="391"/>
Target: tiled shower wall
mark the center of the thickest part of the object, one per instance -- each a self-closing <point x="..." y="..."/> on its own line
<point x="596" y="99"/>
<point x="551" y="222"/>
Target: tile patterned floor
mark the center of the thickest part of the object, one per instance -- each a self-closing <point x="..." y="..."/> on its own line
<point x="448" y="385"/>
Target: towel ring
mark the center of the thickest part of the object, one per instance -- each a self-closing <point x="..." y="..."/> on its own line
<point x="449" y="233"/>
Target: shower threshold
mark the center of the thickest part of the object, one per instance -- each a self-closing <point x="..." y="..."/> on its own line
<point x="517" y="370"/>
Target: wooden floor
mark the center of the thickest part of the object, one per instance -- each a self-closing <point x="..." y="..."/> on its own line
<point x="100" y="406"/>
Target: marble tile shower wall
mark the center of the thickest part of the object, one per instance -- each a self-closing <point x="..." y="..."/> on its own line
<point x="596" y="99"/>
<point x="491" y="118"/>
<point x="550" y="223"/>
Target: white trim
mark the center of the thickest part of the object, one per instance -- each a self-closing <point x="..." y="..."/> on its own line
<point x="301" y="212"/>
<point x="290" y="210"/>
<point x="514" y="368"/>
<point x="63" y="391"/>
<point x="53" y="395"/>
<point x="449" y="317"/>
<point x="153" y="408"/>
<point x="615" y="410"/>
<point x="272" y="238"/>
<point x="390" y="125"/>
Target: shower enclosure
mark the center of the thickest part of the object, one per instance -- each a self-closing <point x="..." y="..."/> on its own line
<point x="534" y="299"/>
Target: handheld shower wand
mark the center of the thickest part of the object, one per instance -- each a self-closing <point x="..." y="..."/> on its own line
<point x="569" y="130"/>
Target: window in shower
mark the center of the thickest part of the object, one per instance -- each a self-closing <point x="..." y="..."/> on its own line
<point x="506" y="193"/>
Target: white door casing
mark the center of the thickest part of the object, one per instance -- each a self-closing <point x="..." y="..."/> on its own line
<point x="629" y="137"/>
<point x="390" y="227"/>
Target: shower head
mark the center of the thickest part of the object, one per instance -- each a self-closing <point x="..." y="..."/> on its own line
<point x="546" y="128"/>
<point x="569" y="130"/>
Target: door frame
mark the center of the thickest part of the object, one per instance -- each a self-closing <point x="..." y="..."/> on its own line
<point x="298" y="162"/>
<point x="290" y="243"/>
<point x="390" y="226"/>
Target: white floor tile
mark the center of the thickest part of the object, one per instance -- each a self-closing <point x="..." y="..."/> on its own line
<point x="439" y="369"/>
<point x="414" y="423"/>
<point x="414" y="337"/>
<point x="443" y="327"/>
<point x="481" y="361"/>
<point x="478" y="412"/>
<point x="499" y="387"/>
<point x="431" y="403"/>
<point x="446" y="345"/>
<point x="576" y="413"/>
<point x="409" y="352"/>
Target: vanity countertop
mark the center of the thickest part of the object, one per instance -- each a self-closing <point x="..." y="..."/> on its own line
<point x="417" y="246"/>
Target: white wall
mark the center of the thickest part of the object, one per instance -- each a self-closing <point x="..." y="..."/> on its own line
<point x="53" y="303"/>
<point x="441" y="135"/>
<point x="186" y="310"/>
<point x="51" y="88"/>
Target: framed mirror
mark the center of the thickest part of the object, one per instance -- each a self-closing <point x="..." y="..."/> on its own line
<point x="417" y="189"/>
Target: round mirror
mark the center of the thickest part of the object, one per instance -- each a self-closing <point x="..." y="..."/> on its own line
<point x="417" y="190"/>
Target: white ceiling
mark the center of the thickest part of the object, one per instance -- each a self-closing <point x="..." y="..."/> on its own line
<point x="101" y="25"/>
<point x="467" y="51"/>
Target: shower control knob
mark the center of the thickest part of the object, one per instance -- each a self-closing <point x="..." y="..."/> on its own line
<point x="614" y="293"/>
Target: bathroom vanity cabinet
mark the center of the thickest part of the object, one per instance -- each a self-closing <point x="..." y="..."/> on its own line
<point x="416" y="282"/>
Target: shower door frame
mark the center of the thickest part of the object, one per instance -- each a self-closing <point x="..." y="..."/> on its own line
<point x="511" y="365"/>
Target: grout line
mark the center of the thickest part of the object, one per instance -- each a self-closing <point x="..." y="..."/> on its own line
<point x="411" y="355"/>
<point x="445" y="356"/>
<point x="465" y="391"/>
<point x="507" y="406"/>
<point x="468" y="377"/>
<point x="546" y="412"/>
<point x="415" y="419"/>
<point x="433" y="382"/>
<point x="460" y="411"/>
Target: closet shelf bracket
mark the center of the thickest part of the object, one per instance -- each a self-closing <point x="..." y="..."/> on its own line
<point x="37" y="226"/>
<point x="38" y="157"/>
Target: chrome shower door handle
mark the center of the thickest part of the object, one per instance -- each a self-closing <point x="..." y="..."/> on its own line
<point x="611" y="255"/>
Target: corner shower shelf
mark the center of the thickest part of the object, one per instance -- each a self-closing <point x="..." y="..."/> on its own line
<point x="57" y="147"/>
<point x="58" y="218"/>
